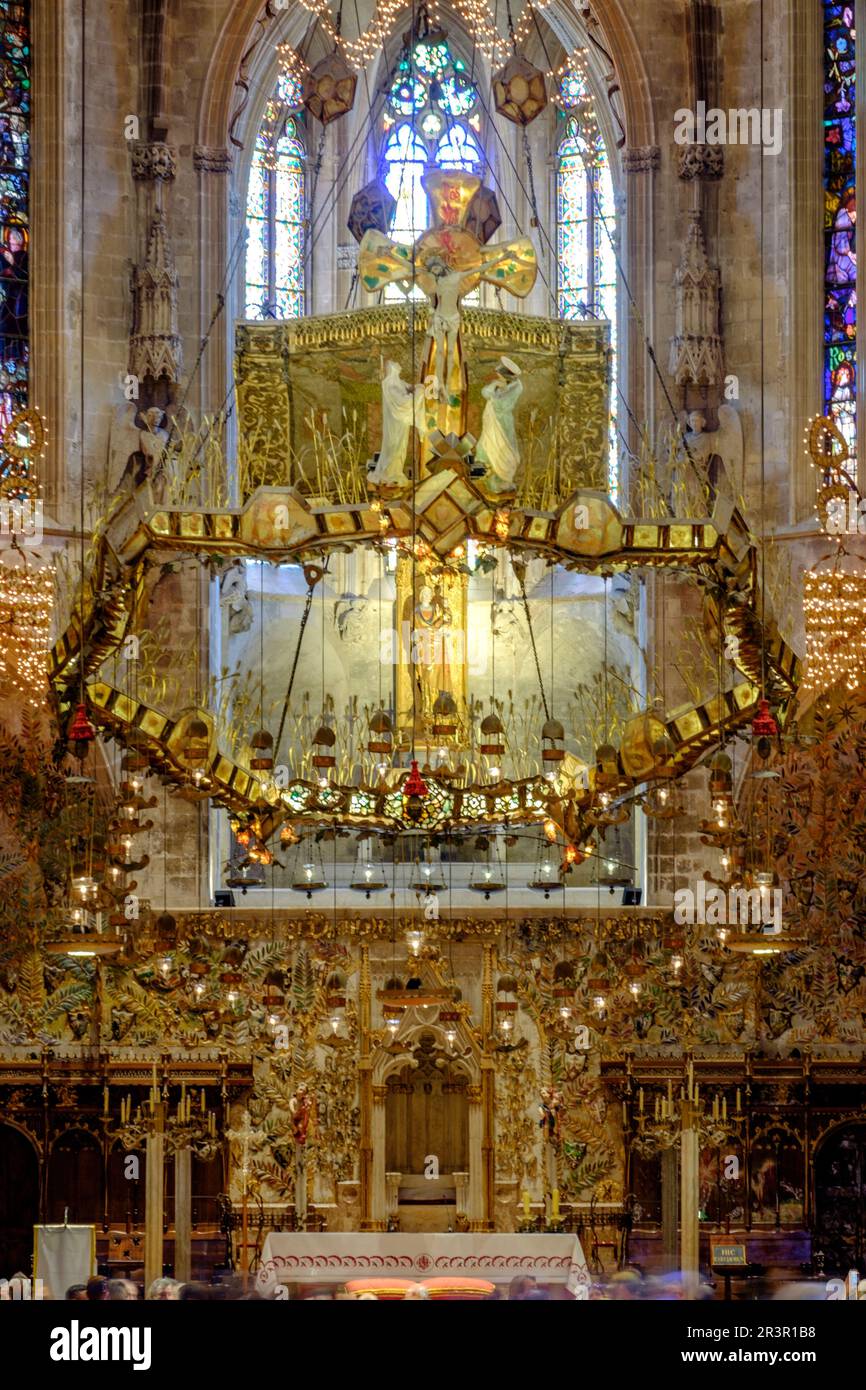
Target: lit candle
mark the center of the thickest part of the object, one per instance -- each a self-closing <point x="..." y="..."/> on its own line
<point x="526" y="1211"/>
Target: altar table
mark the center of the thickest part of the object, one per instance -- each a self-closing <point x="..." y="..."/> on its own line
<point x="307" y="1257"/>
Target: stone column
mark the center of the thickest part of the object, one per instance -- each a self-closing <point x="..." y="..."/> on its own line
<point x="153" y="1198"/>
<point x="670" y="1207"/>
<point x="378" y="1195"/>
<point x="639" y="164"/>
<point x="689" y="1194"/>
<point x="183" y="1215"/>
<point x="475" y="1204"/>
<point x="392" y="1192"/>
<point x="461" y="1182"/>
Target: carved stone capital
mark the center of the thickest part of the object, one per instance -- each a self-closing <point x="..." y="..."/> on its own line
<point x="701" y="162"/>
<point x="212" y="159"/>
<point x="153" y="161"/>
<point x="641" y="159"/>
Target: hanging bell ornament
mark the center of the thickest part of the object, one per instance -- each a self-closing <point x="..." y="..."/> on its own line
<point x="372" y="210"/>
<point x="519" y="92"/>
<point x="262" y="745"/>
<point x="329" y="88"/>
<point x="81" y="733"/>
<point x="483" y="217"/>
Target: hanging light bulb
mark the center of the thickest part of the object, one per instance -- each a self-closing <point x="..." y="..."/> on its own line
<point x="634" y="988"/>
<point x="565" y="1012"/>
<point x="676" y="964"/>
<point x="599" y="1004"/>
<point x="725" y="862"/>
<point x="335" y="1023"/>
<point x="415" y="940"/>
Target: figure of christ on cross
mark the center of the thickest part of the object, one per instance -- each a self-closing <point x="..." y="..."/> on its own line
<point x="448" y="261"/>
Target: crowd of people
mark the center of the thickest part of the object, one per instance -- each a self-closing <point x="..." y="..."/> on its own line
<point x="626" y="1285"/>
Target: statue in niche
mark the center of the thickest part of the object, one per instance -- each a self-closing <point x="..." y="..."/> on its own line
<point x="497" y="448"/>
<point x="138" y="445"/>
<point x="719" y="452"/>
<point x="432" y="639"/>
<point x="402" y="410"/>
<point x="234" y="596"/>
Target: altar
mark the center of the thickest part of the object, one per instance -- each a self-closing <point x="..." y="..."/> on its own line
<point x="305" y="1257"/>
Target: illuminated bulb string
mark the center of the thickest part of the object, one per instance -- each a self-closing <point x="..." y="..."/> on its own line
<point x="834" y="605"/>
<point x="26" y="608"/>
<point x="475" y="14"/>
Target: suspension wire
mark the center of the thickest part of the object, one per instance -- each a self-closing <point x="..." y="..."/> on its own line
<point x="305" y="617"/>
<point x="521" y="579"/>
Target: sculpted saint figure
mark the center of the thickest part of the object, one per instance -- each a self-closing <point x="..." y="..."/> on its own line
<point x="402" y="409"/>
<point x="497" y="448"/>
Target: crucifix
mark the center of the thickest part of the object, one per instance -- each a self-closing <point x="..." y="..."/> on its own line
<point x="447" y="261"/>
<point x="246" y="1136"/>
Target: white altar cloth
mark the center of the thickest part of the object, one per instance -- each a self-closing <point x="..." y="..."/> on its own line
<point x="306" y="1257"/>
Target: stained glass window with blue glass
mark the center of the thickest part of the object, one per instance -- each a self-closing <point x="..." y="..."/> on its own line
<point x="275" y="211"/>
<point x="431" y="119"/>
<point x="14" y="207"/>
<point x="585" y="228"/>
<point x="840" y="211"/>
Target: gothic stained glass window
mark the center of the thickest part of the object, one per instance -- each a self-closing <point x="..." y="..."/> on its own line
<point x="275" y="211"/>
<point x="14" y="205"/>
<point x="585" y="223"/>
<point x="431" y="118"/>
<point x="840" y="253"/>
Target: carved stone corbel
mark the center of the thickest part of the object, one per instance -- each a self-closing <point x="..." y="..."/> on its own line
<point x="153" y="161"/>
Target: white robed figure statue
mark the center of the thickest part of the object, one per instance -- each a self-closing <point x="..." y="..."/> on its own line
<point x="402" y="408"/>
<point x="497" y="447"/>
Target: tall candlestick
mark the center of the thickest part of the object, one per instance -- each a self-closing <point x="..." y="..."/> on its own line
<point x="526" y="1212"/>
<point x="670" y="1092"/>
<point x="697" y="1095"/>
<point x="657" y="1108"/>
<point x="202" y="1100"/>
<point x="738" y="1100"/>
<point x="640" y="1099"/>
<point x="724" y="1107"/>
<point x="105" y="1100"/>
<point x="556" y="1204"/>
